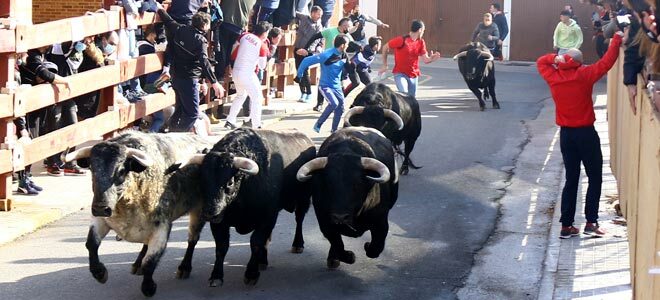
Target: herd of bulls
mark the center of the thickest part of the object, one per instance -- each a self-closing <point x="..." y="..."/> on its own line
<point x="143" y="182"/>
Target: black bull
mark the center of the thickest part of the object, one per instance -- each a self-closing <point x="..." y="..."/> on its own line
<point x="352" y="189"/>
<point x="475" y="62"/>
<point x="396" y="115"/>
<point x="246" y="179"/>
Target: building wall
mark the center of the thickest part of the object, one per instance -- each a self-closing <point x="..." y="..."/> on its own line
<point x="49" y="10"/>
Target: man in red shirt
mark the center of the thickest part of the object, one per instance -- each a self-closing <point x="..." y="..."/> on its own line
<point x="571" y="85"/>
<point x="407" y="51"/>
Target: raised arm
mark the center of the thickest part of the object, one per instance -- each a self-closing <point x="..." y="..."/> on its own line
<point x="306" y="63"/>
<point x="599" y="69"/>
<point x="545" y="65"/>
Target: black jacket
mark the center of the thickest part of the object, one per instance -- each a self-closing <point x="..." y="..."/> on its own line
<point x="633" y="63"/>
<point x="188" y="49"/>
<point x="502" y="25"/>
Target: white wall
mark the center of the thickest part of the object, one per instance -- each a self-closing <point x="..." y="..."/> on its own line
<point x="506" y="47"/>
<point x="370" y="7"/>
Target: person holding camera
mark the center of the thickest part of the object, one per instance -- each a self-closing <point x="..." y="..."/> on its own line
<point x="571" y="84"/>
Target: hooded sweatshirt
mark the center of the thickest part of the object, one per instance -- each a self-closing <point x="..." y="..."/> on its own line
<point x="568" y="36"/>
<point x="572" y="83"/>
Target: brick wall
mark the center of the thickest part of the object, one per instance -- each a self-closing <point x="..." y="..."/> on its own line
<point x="49" y="10"/>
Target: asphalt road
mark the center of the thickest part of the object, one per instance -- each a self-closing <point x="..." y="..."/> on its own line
<point x="444" y="215"/>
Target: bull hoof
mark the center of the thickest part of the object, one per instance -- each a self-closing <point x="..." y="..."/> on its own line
<point x="404" y="170"/>
<point x="182" y="274"/>
<point x="496" y="106"/>
<point x="333" y="264"/>
<point x="297" y="250"/>
<point x="369" y="251"/>
<point x="215" y="282"/>
<point x="100" y="274"/>
<point x="136" y="270"/>
<point x="149" y="288"/>
<point x="348" y="257"/>
<point x="263" y="267"/>
<point x="251" y="278"/>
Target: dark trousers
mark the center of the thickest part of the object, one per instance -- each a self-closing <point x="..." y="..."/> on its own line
<point x="581" y="146"/>
<point x="229" y="33"/>
<point x="186" y="107"/>
<point x="59" y="116"/>
<point x="305" y="85"/>
<point x="356" y="75"/>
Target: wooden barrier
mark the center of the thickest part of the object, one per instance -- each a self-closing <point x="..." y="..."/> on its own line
<point x="635" y="162"/>
<point x="19" y="35"/>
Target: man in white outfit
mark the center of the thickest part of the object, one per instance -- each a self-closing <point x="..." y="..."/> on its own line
<point x="250" y="56"/>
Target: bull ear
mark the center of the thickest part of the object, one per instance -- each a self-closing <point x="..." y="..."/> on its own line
<point x="134" y="166"/>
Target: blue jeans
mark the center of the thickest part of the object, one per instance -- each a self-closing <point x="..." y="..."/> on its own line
<point x="186" y="107"/>
<point x="158" y="119"/>
<point x="406" y="84"/>
<point x="335" y="99"/>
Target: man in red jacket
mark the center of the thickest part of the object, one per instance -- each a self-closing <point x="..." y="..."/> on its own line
<point x="571" y="84"/>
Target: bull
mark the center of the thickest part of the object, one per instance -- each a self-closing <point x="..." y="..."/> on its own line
<point x="353" y="190"/>
<point x="477" y="66"/>
<point x="134" y="197"/>
<point x="396" y="115"/>
<point x="247" y="178"/>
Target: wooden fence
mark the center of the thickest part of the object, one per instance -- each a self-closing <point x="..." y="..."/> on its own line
<point x="18" y="34"/>
<point x="635" y="162"/>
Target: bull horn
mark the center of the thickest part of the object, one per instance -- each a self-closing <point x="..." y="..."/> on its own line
<point x="373" y="164"/>
<point x="140" y="156"/>
<point x="395" y="117"/>
<point x="78" y="154"/>
<point x="246" y="165"/>
<point x="194" y="160"/>
<point x="311" y="166"/>
<point x="489" y="55"/>
<point x="353" y="111"/>
<point x="459" y="55"/>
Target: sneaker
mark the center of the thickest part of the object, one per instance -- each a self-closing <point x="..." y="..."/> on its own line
<point x="247" y="123"/>
<point x="230" y="126"/>
<point x="25" y="189"/>
<point x="164" y="77"/>
<point x="568" y="231"/>
<point x="594" y="230"/>
<point x="317" y="128"/>
<point x="74" y="170"/>
<point x="33" y="185"/>
<point x="318" y="108"/>
<point x="308" y="97"/>
<point x="303" y="98"/>
<point x="54" y="170"/>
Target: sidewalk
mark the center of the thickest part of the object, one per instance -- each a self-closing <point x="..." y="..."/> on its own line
<point x="63" y="196"/>
<point x="590" y="268"/>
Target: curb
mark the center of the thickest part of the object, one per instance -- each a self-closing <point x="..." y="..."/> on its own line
<point x="28" y="222"/>
<point x="551" y="261"/>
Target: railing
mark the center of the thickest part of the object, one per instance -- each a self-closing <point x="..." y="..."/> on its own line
<point x="17" y="35"/>
<point x="635" y="162"/>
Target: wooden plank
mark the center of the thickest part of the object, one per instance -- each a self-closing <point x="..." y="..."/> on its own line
<point x="141" y="65"/>
<point x="69" y="136"/>
<point x="5" y="161"/>
<point x="35" y="36"/>
<point x="6" y="135"/>
<point x="43" y="95"/>
<point x="8" y="38"/>
<point x="148" y="18"/>
<point x="6" y="105"/>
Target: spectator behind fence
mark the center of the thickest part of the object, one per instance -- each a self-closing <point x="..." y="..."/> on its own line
<point x="34" y="69"/>
<point x="263" y="11"/>
<point x="359" y="21"/>
<point x="502" y="25"/>
<point x="250" y="57"/>
<point x="599" y="19"/>
<point x="567" y="34"/>
<point x="236" y="16"/>
<point x="487" y="33"/>
<point x="188" y="49"/>
<point x="92" y="58"/>
<point x="571" y="84"/>
<point x="148" y="46"/>
<point x="308" y="25"/>
<point x="68" y="57"/>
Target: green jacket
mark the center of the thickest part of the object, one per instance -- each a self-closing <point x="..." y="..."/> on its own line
<point x="568" y="36"/>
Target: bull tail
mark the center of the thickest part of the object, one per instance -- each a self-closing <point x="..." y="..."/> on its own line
<point x="412" y="165"/>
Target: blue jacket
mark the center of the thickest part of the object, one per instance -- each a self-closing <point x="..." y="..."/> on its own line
<point x="330" y="72"/>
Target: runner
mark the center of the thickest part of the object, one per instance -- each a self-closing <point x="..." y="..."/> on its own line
<point x="407" y="51"/>
<point x="250" y="55"/>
